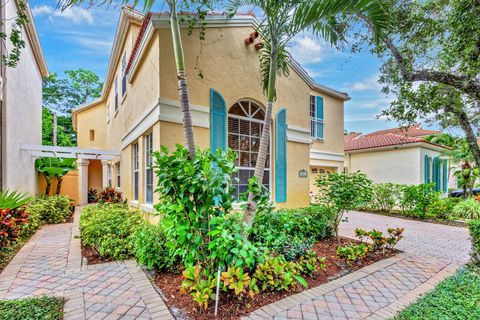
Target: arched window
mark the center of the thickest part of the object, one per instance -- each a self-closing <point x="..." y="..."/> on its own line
<point x="245" y="124"/>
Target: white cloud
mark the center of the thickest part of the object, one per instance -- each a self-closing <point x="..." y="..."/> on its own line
<point x="365" y="85"/>
<point x="307" y="50"/>
<point x="73" y="14"/>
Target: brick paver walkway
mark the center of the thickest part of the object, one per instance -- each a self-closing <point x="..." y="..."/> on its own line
<point x="379" y="291"/>
<point x="50" y="263"/>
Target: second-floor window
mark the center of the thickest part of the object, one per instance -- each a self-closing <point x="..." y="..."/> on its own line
<point x="148" y="168"/>
<point x="116" y="94"/>
<point x="136" y="174"/>
<point x="110" y="176"/>
<point x="316" y="117"/>
<point x="124" y="74"/>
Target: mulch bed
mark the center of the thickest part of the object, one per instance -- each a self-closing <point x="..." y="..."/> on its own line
<point x="183" y="306"/>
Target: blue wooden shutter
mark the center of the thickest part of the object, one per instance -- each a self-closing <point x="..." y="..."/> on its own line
<point x="436" y="173"/>
<point x="319" y="111"/>
<point x="445" y="175"/>
<point x="281" y="156"/>
<point x="427" y="170"/>
<point x="218" y="121"/>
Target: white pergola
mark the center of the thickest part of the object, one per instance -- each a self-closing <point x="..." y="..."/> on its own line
<point x="83" y="156"/>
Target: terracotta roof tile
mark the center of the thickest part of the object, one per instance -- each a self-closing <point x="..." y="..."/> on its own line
<point x="385" y="138"/>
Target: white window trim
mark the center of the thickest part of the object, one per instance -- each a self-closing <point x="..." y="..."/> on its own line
<point x="316" y="121"/>
<point x="135" y="158"/>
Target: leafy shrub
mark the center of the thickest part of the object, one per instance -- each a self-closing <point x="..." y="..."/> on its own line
<point x="149" y="246"/>
<point x="109" y="195"/>
<point x="49" y="209"/>
<point x="384" y="196"/>
<point x="442" y="208"/>
<point x="378" y="240"/>
<point x="292" y="248"/>
<point x="352" y="252"/>
<point x="343" y="192"/>
<point x="11" y="223"/>
<point x="467" y="209"/>
<point x="315" y="222"/>
<point x="92" y="195"/>
<point x="196" y="200"/>
<point x="277" y="274"/>
<point x="44" y="307"/>
<point x="474" y="228"/>
<point x="239" y="281"/>
<point x="309" y="263"/>
<point x="109" y="229"/>
<point x="199" y="284"/>
<point x="416" y="199"/>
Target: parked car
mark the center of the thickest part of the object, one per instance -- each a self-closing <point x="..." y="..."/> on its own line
<point x="459" y="192"/>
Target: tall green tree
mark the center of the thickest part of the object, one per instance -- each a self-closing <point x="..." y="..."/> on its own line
<point x="432" y="63"/>
<point x="61" y="95"/>
<point x="14" y="36"/>
<point x="282" y="21"/>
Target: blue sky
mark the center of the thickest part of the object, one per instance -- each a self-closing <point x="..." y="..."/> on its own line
<point x="79" y="38"/>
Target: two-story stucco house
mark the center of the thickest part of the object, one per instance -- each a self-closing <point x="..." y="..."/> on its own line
<point x="139" y="110"/>
<point x="20" y="103"/>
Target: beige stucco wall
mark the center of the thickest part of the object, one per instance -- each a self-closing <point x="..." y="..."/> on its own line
<point x="92" y="119"/>
<point x="22" y="113"/>
<point x="228" y="67"/>
<point x="401" y="165"/>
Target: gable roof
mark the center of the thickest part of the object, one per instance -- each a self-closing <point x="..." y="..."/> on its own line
<point x="387" y="138"/>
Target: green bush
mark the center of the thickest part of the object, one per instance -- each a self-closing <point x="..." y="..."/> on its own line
<point x="442" y="208"/>
<point x="149" y="246"/>
<point x="416" y="199"/>
<point x="45" y="308"/>
<point x="467" y="209"/>
<point x="109" y="229"/>
<point x="474" y="227"/>
<point x="47" y="210"/>
<point x="315" y="222"/>
<point x="456" y="298"/>
<point x="384" y="196"/>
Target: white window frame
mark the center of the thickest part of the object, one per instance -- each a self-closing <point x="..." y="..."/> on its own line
<point x="148" y="146"/>
<point x="115" y="98"/>
<point x="229" y="115"/>
<point x="118" y="175"/>
<point x="110" y="179"/>
<point x="314" y="121"/>
<point x="124" y="74"/>
<point x="136" y="171"/>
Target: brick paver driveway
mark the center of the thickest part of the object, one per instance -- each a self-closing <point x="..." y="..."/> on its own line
<point x="431" y="253"/>
<point x="50" y="263"/>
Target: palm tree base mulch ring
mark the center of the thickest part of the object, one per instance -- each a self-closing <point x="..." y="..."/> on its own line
<point x="230" y="308"/>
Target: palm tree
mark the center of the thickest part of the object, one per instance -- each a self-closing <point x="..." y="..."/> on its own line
<point x="178" y="53"/>
<point x="282" y="21"/>
<point x="466" y="173"/>
<point x="66" y="165"/>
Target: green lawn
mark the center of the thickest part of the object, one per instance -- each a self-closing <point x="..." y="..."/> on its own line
<point x="44" y="308"/>
<point x="457" y="297"/>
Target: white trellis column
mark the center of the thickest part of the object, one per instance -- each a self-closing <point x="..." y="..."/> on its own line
<point x="82" y="165"/>
<point x="104" y="174"/>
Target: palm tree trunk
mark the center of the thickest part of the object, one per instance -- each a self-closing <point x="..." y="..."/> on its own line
<point x="251" y="206"/>
<point x="182" y="79"/>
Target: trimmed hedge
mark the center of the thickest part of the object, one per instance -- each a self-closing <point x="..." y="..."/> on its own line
<point x="45" y="308"/>
<point x="474" y="227"/>
<point x="109" y="229"/>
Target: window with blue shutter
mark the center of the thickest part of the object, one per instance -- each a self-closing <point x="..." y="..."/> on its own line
<point x="436" y="173"/>
<point x="316" y="117"/>
<point x="218" y="121"/>
<point x="281" y="156"/>
<point x="427" y="169"/>
<point x="445" y="175"/>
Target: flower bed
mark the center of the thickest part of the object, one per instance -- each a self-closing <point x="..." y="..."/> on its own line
<point x="230" y="307"/>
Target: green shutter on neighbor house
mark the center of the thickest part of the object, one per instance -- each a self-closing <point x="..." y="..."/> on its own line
<point x="218" y="121"/>
<point x="426" y="177"/>
<point x="281" y="156"/>
<point x="445" y="175"/>
<point x="320" y="116"/>
<point x="436" y="173"/>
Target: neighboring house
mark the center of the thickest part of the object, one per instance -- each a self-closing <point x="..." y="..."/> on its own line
<point x="21" y="104"/>
<point x="139" y="110"/>
<point x="398" y="156"/>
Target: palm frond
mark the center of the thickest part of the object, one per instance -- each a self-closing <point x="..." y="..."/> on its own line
<point x="282" y="67"/>
<point x="320" y="16"/>
<point x="13" y="199"/>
